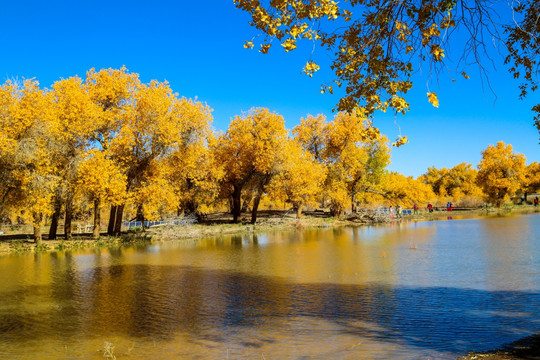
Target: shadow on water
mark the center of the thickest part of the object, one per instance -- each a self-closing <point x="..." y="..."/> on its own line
<point x="161" y="301"/>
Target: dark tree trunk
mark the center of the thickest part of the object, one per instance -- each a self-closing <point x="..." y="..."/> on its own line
<point x="69" y="217"/>
<point x="263" y="181"/>
<point x="55" y="217"/>
<point x="119" y="216"/>
<point x="140" y="216"/>
<point x="97" y="218"/>
<point x="256" y="202"/>
<point x="236" y="202"/>
<point x="115" y="220"/>
<point x="112" y="219"/>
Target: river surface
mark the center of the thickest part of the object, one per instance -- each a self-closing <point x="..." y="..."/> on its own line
<point x="417" y="290"/>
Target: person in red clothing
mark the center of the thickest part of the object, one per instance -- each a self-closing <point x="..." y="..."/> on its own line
<point x="430" y="207"/>
<point x="415" y="207"/>
<point x="536" y="201"/>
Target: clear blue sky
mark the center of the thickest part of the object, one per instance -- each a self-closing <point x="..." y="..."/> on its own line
<point x="197" y="47"/>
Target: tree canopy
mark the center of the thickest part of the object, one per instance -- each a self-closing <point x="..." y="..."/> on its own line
<point x="376" y="45"/>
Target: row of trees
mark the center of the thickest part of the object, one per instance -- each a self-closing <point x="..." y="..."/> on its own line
<point x="112" y="141"/>
<point x="501" y="174"/>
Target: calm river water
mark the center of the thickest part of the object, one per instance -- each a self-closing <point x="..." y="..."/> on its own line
<point x="405" y="291"/>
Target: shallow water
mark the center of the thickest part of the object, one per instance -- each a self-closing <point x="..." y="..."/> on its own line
<point x="405" y="291"/>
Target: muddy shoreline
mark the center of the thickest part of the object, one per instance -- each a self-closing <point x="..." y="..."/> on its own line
<point x="527" y="348"/>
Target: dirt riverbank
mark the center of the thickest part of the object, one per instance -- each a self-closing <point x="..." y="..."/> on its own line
<point x="524" y="349"/>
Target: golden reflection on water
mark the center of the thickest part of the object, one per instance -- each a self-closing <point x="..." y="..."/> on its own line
<point x="411" y="290"/>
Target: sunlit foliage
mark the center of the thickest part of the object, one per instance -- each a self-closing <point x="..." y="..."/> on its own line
<point x="251" y="152"/>
<point x="531" y="183"/>
<point x="301" y="179"/>
<point x="355" y="156"/>
<point x="501" y="172"/>
<point x="457" y="185"/>
<point x="405" y="191"/>
<point x="28" y="173"/>
<point x="112" y="140"/>
<point x="102" y="181"/>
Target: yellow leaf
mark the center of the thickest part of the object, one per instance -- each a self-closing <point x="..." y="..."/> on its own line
<point x="432" y="98"/>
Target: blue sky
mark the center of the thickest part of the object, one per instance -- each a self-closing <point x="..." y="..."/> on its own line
<point x="198" y="49"/>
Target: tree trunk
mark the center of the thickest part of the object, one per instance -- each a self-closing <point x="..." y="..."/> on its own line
<point x="236" y="202"/>
<point x="265" y="179"/>
<point x="37" y="228"/>
<point x="112" y="219"/>
<point x="115" y="220"/>
<point x="97" y="218"/>
<point x="118" y="222"/>
<point x="298" y="211"/>
<point x="140" y="216"/>
<point x="55" y="217"/>
<point x="256" y="202"/>
<point x="69" y="217"/>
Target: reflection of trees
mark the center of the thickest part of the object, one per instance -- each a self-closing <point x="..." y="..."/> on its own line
<point x="163" y="301"/>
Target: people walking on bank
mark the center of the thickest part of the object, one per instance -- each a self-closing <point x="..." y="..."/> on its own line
<point x="449" y="206"/>
<point x="430" y="207"/>
<point x="415" y="207"/>
<point x="399" y="211"/>
<point x="536" y="201"/>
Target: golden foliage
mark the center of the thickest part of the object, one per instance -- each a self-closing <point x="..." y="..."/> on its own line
<point x="406" y="191"/>
<point x="300" y="181"/>
<point x="101" y="178"/>
<point x="531" y="181"/>
<point x="26" y="147"/>
<point x="455" y="184"/>
<point x="501" y="172"/>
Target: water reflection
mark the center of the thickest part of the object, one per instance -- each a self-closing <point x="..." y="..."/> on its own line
<point x="315" y="293"/>
<point x="161" y="301"/>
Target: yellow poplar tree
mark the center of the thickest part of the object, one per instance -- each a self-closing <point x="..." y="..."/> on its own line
<point x="501" y="172"/>
<point x="156" y="124"/>
<point x="532" y="178"/>
<point x="27" y="144"/>
<point x="155" y="195"/>
<point x="75" y="119"/>
<point x="102" y="181"/>
<point x="196" y="174"/>
<point x="356" y="156"/>
<point x="300" y="182"/>
<point x="250" y="150"/>
<point x="310" y="133"/>
<point x="405" y="191"/>
<point x="112" y="90"/>
<point x="457" y="184"/>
